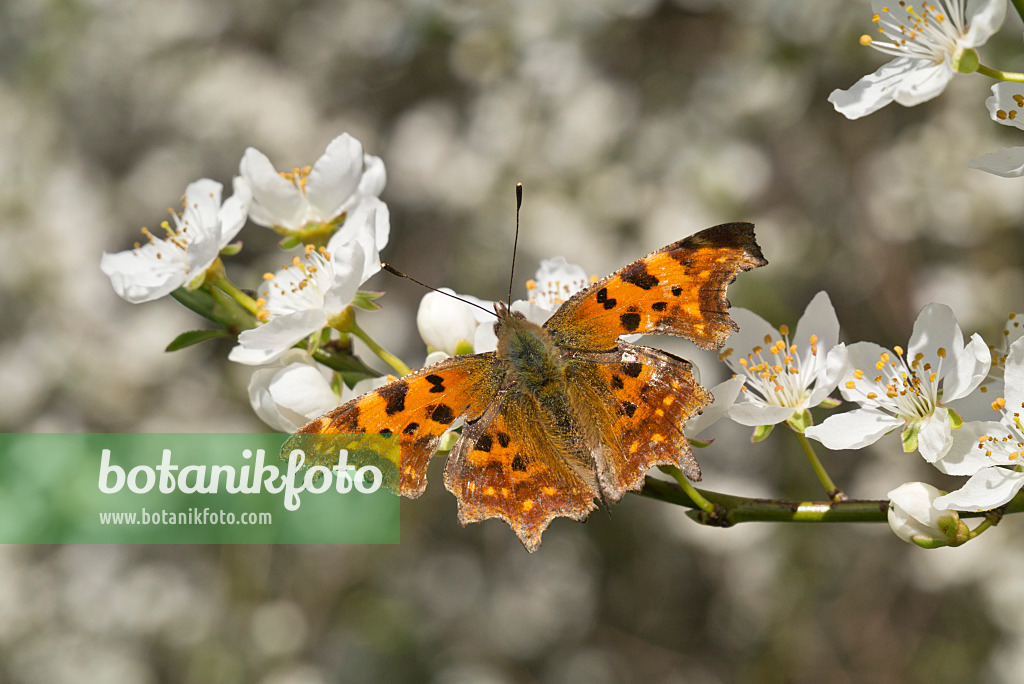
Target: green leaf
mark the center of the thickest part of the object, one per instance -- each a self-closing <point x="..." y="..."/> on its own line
<point x="191" y="337"/>
<point x="761" y="433"/>
<point x="699" y="444"/>
<point x="955" y="420"/>
<point x="231" y="249"/>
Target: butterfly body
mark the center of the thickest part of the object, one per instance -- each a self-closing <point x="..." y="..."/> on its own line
<point x="565" y="413"/>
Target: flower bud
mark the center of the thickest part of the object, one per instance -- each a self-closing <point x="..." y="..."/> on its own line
<point x="914" y="518"/>
<point x="447" y="324"/>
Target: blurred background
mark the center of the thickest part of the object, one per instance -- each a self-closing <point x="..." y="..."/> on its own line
<point x="631" y="123"/>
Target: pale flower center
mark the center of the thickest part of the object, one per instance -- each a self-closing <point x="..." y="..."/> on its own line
<point x="910" y="390"/>
<point x="928" y="31"/>
<point x="552" y="292"/>
<point x="1011" y="446"/>
<point x="297" y="177"/>
<point x="178" y="238"/>
<point x="298" y="287"/>
<point x="775" y="372"/>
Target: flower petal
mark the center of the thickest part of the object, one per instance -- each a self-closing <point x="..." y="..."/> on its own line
<point x="987" y="489"/>
<point x="936" y="435"/>
<point x="924" y="83"/>
<point x="725" y="395"/>
<point x="1014" y="376"/>
<point x="860" y="356"/>
<point x="876" y="90"/>
<point x="335" y="176"/>
<point x="271" y="340"/>
<point x="912" y="512"/>
<point x="275" y="200"/>
<point x="835" y="368"/>
<point x="374" y="177"/>
<point x="819" y="319"/>
<point x="755" y="413"/>
<point x="970" y="368"/>
<point x="348" y="263"/>
<point x="984" y="18"/>
<point x="1007" y="162"/>
<point x="288" y="397"/>
<point x="202" y="202"/>
<point x="235" y="210"/>
<point x="1003" y="105"/>
<point x="443" y="322"/>
<point x="854" y="429"/>
<point x="936" y="328"/>
<point x="967" y="454"/>
<point x="137" y="275"/>
<point x="369" y="225"/>
<point x="752" y="332"/>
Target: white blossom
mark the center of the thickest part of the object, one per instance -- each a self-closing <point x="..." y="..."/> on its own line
<point x="319" y="194"/>
<point x="907" y="390"/>
<point x="930" y="41"/>
<point x="782" y="374"/>
<point x="200" y="231"/>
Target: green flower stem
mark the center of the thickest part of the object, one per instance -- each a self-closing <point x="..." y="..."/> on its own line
<point x="833" y="492"/>
<point x="1002" y="75"/>
<point x="984" y="525"/>
<point x="689" y="490"/>
<point x="731" y="510"/>
<point x="737" y="509"/>
<point x="380" y="351"/>
<point x="221" y="282"/>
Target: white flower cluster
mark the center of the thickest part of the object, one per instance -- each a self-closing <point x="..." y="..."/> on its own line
<point x="931" y="42"/>
<point x="907" y="390"/>
<point x="334" y="202"/>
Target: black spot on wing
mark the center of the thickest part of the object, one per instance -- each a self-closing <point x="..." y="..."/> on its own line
<point x="442" y="414"/>
<point x="518" y="463"/>
<point x="602" y="298"/>
<point x="659" y="306"/>
<point x="436" y="382"/>
<point x="394" y="395"/>
<point x="627" y="408"/>
<point x="638" y="275"/>
<point x="411" y="428"/>
<point x="503" y="439"/>
<point x="484" y="443"/>
<point x="633" y="370"/>
<point x="617" y="382"/>
<point x="676" y="290"/>
<point x="630" y="321"/>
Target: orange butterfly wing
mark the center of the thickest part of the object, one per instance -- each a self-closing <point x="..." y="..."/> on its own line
<point x="678" y="290"/>
<point x="640" y="399"/>
<point x="511" y="465"/>
<point x="419" y="407"/>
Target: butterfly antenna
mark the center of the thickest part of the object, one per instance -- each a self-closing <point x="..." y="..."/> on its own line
<point x="515" y="243"/>
<point x="395" y="271"/>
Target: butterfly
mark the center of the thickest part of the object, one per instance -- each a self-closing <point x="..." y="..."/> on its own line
<point x="562" y="415"/>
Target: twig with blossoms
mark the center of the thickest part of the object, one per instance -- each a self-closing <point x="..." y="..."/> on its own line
<point x="300" y="325"/>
